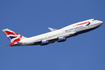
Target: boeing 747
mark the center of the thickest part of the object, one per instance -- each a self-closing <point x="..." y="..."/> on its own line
<point x="58" y="35"/>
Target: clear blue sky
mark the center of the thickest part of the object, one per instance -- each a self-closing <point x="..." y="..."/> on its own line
<point x="33" y="17"/>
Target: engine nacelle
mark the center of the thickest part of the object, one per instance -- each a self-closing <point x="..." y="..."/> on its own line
<point x="44" y="42"/>
<point x="61" y="39"/>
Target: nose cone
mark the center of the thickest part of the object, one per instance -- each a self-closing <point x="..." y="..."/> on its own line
<point x="100" y="22"/>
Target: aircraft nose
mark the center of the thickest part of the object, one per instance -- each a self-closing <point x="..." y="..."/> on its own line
<point x="100" y="22"/>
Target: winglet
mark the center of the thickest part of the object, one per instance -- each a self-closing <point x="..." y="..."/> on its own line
<point x="52" y="29"/>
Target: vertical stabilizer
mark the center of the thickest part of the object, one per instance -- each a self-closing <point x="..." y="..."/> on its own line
<point x="13" y="36"/>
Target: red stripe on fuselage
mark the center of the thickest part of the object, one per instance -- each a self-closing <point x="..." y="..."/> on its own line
<point x="83" y="23"/>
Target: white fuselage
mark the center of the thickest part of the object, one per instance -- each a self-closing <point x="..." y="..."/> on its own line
<point x="61" y="34"/>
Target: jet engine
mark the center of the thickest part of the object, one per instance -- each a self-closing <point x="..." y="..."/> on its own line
<point x="61" y="39"/>
<point x="44" y="42"/>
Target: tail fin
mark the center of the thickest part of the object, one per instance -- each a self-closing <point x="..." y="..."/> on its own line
<point x="13" y="37"/>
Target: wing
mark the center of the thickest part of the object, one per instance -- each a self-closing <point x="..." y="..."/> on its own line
<point x="58" y="38"/>
<point x="52" y="29"/>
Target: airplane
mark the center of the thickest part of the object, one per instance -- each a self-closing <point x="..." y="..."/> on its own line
<point x="59" y="35"/>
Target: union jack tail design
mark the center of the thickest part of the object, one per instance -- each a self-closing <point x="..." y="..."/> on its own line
<point x="13" y="36"/>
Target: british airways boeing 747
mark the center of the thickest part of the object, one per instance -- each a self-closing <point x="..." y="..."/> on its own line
<point x="58" y="35"/>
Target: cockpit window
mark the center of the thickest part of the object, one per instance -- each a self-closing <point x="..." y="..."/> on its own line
<point x="93" y="19"/>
